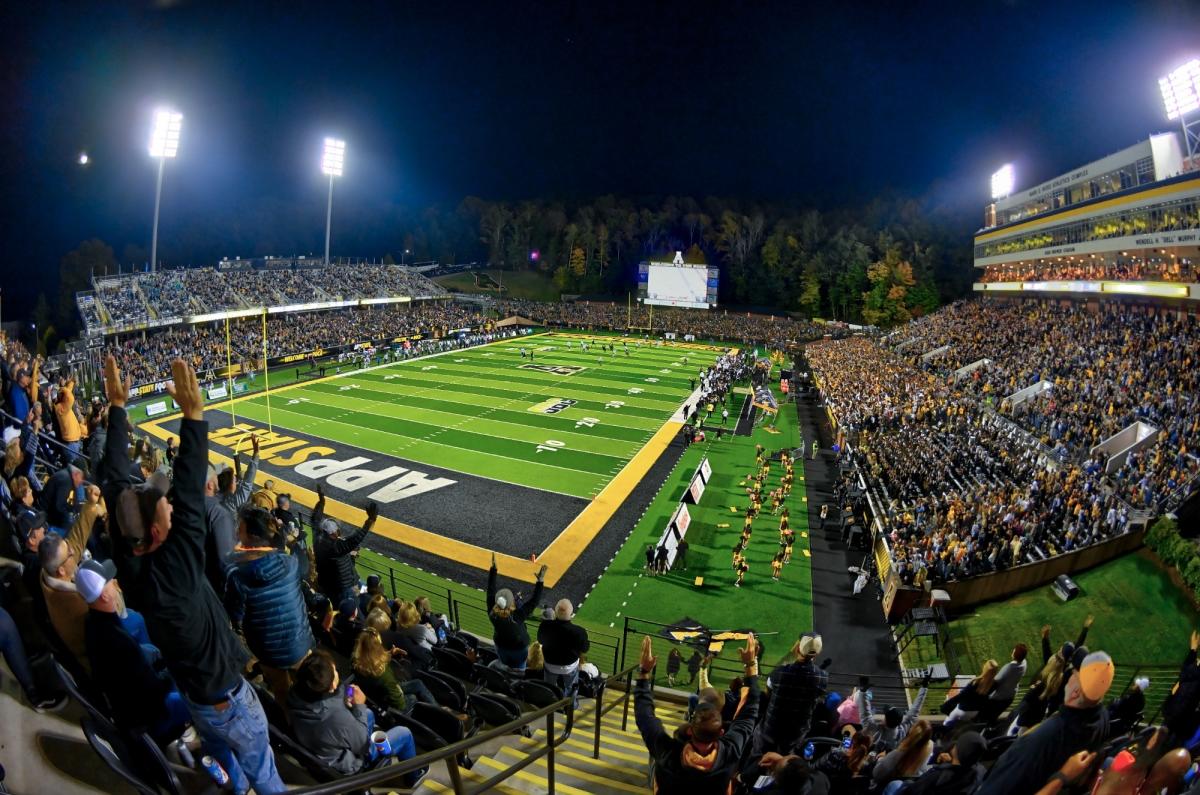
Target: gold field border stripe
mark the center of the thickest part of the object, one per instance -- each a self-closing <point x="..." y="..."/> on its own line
<point x="584" y="528"/>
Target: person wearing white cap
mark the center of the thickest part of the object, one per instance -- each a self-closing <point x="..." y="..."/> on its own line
<point x="795" y="688"/>
<point x="138" y="695"/>
<point x="509" y="633"/>
<point x="337" y="577"/>
<point x="1081" y="723"/>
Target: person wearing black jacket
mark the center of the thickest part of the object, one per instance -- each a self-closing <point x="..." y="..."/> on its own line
<point x="158" y="544"/>
<point x="336" y="576"/>
<point x="1181" y="712"/>
<point x="509" y="632"/>
<point x="562" y="643"/>
<point x="1080" y="724"/>
<point x="699" y="758"/>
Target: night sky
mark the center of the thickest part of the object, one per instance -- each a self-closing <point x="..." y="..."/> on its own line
<point x="826" y="105"/>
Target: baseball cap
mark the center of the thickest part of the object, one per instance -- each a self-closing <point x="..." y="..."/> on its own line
<point x="92" y="576"/>
<point x="135" y="511"/>
<point x="329" y="527"/>
<point x="1096" y="675"/>
<point x="504" y="599"/>
<point x="971" y="747"/>
<point x="810" y="644"/>
<point x="348" y="606"/>
<point x="30" y="521"/>
<point x="10" y="434"/>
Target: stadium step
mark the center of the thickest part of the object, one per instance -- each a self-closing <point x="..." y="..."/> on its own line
<point x="623" y="766"/>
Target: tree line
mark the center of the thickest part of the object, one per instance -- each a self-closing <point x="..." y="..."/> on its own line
<point x="882" y="264"/>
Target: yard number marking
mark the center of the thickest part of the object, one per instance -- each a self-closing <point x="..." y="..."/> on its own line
<point x="550" y="446"/>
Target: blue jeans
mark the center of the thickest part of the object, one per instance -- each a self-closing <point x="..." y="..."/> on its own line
<point x="511" y="659"/>
<point x="400" y="738"/>
<point x="567" y="683"/>
<point x="238" y="738"/>
<point x="417" y="692"/>
<point x="14" y="653"/>
<point x="174" y="722"/>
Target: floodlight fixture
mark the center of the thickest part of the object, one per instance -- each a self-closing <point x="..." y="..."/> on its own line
<point x="164" y="143"/>
<point x="1181" y="89"/>
<point x="84" y="159"/>
<point x="1003" y="181"/>
<point x="332" y="164"/>
<point x="335" y="157"/>
<point x="1181" y="97"/>
<point x="164" y="135"/>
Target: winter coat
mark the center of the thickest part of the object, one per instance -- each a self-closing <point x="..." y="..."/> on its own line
<point x="335" y="565"/>
<point x="265" y="597"/>
<point x="330" y="731"/>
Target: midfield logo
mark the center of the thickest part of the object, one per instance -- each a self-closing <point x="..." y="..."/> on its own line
<point x="552" y="406"/>
<point x="557" y="369"/>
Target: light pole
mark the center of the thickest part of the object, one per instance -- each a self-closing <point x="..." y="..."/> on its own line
<point x="404" y="255"/>
<point x="1181" y="97"/>
<point x="331" y="165"/>
<point x="164" y="143"/>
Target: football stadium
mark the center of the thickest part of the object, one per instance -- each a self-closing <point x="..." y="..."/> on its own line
<point x="636" y="493"/>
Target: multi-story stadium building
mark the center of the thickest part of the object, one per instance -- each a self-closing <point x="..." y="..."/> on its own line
<point x="1127" y="224"/>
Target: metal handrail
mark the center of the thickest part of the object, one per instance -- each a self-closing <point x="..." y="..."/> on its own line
<point x="602" y="710"/>
<point x="450" y="754"/>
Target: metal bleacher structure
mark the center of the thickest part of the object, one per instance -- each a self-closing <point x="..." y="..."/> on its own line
<point x="143" y="300"/>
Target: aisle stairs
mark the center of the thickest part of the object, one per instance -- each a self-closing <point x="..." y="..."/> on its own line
<point x="623" y="766"/>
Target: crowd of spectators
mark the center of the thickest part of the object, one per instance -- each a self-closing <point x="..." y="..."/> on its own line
<point x="964" y="492"/>
<point x="780" y="332"/>
<point x="1110" y="365"/>
<point x="174" y="293"/>
<point x="195" y="605"/>
<point x="1056" y="727"/>
<point x="146" y="358"/>
<point x="1172" y="270"/>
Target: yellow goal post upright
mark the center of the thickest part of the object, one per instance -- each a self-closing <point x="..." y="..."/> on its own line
<point x="266" y="372"/>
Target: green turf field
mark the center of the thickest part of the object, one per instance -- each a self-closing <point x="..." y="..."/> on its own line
<point x="567" y="421"/>
<point x="1141" y="618"/>
<point x="784" y="607"/>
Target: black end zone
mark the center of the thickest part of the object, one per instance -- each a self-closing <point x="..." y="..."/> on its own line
<point x="507" y="518"/>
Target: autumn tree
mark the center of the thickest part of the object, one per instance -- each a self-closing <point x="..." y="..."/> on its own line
<point x="886" y="303"/>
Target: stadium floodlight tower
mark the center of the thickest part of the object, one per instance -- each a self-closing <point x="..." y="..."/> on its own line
<point x="1003" y="181"/>
<point x="1181" y="96"/>
<point x="164" y="143"/>
<point x="331" y="165"/>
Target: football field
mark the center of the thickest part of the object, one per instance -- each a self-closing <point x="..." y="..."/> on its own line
<point x="474" y="451"/>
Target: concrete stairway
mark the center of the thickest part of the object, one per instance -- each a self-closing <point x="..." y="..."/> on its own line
<point x="623" y="766"/>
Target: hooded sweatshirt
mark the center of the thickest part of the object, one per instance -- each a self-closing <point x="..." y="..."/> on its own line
<point x="333" y="733"/>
